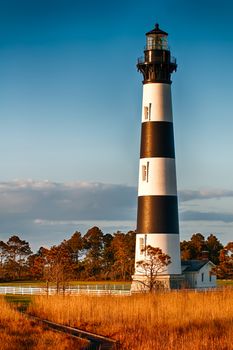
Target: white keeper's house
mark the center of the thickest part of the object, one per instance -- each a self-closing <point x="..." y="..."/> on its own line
<point x="198" y="273"/>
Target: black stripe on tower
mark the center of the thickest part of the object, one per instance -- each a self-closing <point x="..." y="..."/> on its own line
<point x="157" y="140"/>
<point x="157" y="214"/>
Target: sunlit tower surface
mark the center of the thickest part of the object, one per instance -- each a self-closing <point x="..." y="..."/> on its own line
<point x="157" y="216"/>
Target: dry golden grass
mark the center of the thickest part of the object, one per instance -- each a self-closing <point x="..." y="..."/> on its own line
<point x="175" y="320"/>
<point x="19" y="333"/>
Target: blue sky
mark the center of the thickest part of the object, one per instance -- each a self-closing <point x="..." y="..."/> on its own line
<point x="70" y="104"/>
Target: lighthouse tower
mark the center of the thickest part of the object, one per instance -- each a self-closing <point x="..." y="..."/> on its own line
<point x="157" y="216"/>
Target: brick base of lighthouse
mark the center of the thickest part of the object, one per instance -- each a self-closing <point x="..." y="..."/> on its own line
<point x="165" y="282"/>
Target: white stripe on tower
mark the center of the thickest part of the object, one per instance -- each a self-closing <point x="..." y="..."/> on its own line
<point x="167" y="242"/>
<point x="157" y="177"/>
<point x="161" y="108"/>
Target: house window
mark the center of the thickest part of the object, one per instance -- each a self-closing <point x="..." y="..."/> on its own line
<point x="147" y="112"/>
<point x="210" y="276"/>
<point x="145" y="172"/>
<point x="202" y="277"/>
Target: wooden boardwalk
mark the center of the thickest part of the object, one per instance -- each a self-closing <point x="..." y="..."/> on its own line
<point x="97" y="342"/>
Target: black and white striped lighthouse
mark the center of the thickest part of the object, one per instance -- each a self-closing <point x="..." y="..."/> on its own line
<point x="157" y="217"/>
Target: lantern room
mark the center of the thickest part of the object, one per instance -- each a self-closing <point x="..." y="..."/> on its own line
<point x="156" y="39"/>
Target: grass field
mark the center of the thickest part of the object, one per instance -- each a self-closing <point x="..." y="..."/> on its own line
<point x="225" y="283"/>
<point x="23" y="284"/>
<point x="120" y="284"/>
<point x="19" y="333"/>
<point x="173" y="320"/>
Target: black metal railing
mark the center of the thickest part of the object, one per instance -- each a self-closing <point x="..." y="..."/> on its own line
<point x="141" y="60"/>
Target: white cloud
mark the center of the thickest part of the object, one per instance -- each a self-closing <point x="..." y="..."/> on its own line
<point x="206" y="216"/>
<point x="67" y="201"/>
<point x="188" y="195"/>
<point x="46" y="211"/>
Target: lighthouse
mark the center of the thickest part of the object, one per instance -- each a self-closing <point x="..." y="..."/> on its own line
<point x="157" y="212"/>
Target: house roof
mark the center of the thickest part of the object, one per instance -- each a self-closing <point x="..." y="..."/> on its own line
<point x="194" y="265"/>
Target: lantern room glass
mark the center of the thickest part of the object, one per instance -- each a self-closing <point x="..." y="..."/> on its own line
<point x="157" y="42"/>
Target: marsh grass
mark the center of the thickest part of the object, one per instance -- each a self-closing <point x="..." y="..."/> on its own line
<point x="19" y="333"/>
<point x="173" y="320"/>
<point x="21" y="302"/>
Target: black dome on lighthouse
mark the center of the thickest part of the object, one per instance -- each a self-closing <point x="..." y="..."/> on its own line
<point x="157" y="64"/>
<point x="157" y="30"/>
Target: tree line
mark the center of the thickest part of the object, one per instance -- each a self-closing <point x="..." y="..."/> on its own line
<point x="97" y="256"/>
<point x="198" y="248"/>
<point x="93" y="256"/>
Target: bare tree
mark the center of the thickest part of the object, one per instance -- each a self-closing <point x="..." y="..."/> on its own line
<point x="154" y="264"/>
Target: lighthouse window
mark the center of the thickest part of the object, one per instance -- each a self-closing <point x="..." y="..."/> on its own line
<point x="145" y="244"/>
<point x="147" y="112"/>
<point x="145" y="172"/>
<point x="141" y="242"/>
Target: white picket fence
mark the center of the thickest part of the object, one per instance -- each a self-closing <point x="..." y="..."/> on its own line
<point x="87" y="289"/>
<point x="70" y="291"/>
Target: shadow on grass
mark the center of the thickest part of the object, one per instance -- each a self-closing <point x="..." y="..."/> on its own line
<point x="21" y="302"/>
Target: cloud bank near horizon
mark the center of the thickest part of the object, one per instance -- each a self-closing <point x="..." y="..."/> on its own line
<point x="44" y="208"/>
<point x="44" y="201"/>
<point x="189" y="195"/>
